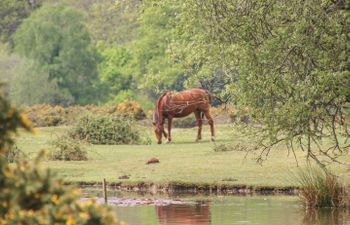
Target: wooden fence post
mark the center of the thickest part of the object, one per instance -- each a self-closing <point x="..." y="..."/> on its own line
<point x="105" y="190"/>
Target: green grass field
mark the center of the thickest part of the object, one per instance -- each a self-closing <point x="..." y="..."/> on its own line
<point x="183" y="161"/>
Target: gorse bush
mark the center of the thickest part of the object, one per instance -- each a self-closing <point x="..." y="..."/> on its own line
<point x="131" y="108"/>
<point x="67" y="149"/>
<point x="97" y="129"/>
<point x="14" y="154"/>
<point x="30" y="195"/>
<point x="45" y="115"/>
<point x="33" y="196"/>
<point x="321" y="189"/>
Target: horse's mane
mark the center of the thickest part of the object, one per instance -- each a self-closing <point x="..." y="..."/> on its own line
<point x="158" y="110"/>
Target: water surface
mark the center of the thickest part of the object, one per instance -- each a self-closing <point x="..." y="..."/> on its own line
<point x="223" y="210"/>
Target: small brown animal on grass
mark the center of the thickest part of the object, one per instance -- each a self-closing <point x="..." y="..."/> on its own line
<point x="152" y="160"/>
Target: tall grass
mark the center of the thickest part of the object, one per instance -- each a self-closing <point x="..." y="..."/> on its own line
<point x="321" y="189"/>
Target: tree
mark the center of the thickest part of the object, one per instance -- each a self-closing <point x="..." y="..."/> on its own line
<point x="114" y="72"/>
<point x="30" y="85"/>
<point x="154" y="68"/>
<point x="113" y="22"/>
<point x="12" y="13"/>
<point x="292" y="65"/>
<point x="56" y="39"/>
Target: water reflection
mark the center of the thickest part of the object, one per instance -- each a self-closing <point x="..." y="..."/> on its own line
<point x="194" y="214"/>
<point x="326" y="217"/>
<point x="227" y="210"/>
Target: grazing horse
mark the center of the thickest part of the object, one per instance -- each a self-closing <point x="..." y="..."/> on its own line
<point x="182" y="104"/>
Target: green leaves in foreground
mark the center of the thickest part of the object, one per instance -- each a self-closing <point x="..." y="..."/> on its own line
<point x="30" y="195"/>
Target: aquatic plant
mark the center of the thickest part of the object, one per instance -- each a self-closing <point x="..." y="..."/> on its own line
<point x="320" y="188"/>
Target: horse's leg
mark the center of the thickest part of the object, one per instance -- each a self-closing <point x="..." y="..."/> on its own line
<point x="199" y="124"/>
<point x="211" y="123"/>
<point x="165" y="134"/>
<point x="170" y="120"/>
<point x="163" y="130"/>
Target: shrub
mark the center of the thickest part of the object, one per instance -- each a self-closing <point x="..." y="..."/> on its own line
<point x="14" y="154"/>
<point x="30" y="195"/>
<point x="33" y="196"/>
<point x="131" y="108"/>
<point x="67" y="149"/>
<point x="45" y="115"/>
<point x="321" y="189"/>
<point x="97" y="129"/>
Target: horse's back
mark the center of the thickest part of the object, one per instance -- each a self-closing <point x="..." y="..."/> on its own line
<point x="195" y="94"/>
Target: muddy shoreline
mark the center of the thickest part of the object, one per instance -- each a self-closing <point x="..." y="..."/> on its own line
<point x="186" y="188"/>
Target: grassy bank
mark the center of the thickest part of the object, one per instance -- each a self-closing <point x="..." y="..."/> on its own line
<point x="182" y="162"/>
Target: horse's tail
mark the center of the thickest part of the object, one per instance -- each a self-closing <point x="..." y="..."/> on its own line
<point x="202" y="115"/>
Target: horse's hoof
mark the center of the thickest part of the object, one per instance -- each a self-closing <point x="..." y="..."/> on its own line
<point x="213" y="138"/>
<point x="168" y="142"/>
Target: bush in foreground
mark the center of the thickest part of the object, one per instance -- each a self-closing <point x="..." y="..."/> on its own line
<point x="30" y="195"/>
<point x="97" y="129"/>
<point x="321" y="189"/>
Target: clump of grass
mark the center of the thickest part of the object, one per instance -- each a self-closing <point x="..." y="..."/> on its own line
<point x="321" y="189"/>
<point x="67" y="149"/>
<point x="222" y="148"/>
<point x="229" y="147"/>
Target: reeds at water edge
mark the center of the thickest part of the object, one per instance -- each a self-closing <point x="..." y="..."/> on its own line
<point x="319" y="188"/>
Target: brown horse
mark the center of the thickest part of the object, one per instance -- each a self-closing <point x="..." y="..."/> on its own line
<point x="182" y="104"/>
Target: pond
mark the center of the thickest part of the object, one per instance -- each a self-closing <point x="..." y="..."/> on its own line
<point x="219" y="210"/>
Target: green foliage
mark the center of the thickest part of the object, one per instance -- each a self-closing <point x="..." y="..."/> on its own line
<point x="32" y="196"/>
<point x="113" y="70"/>
<point x="9" y="64"/>
<point x="321" y="189"/>
<point x="30" y="85"/>
<point x="98" y="129"/>
<point x="67" y="149"/>
<point x="12" y="13"/>
<point x="10" y="119"/>
<point x="290" y="66"/>
<point x="56" y="39"/>
<point x="151" y="63"/>
<point x="113" y="22"/>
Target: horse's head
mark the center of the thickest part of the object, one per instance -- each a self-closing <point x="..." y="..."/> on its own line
<point x="157" y="128"/>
